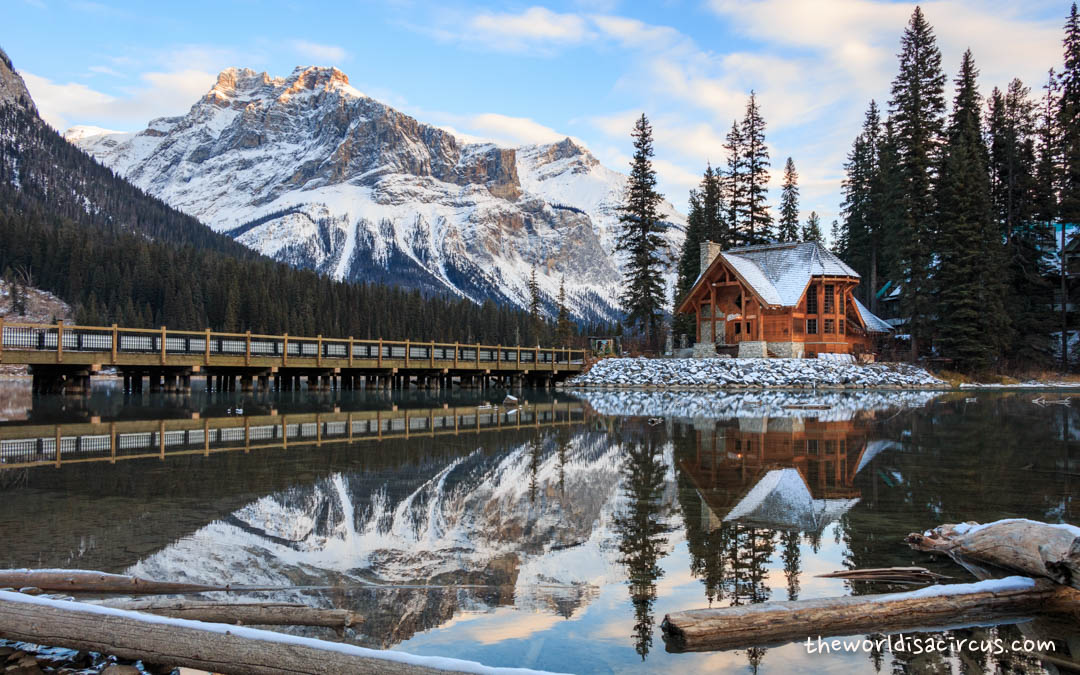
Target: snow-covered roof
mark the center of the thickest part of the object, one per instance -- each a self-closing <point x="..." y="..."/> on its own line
<point x="779" y="273"/>
<point x="782" y="499"/>
<point x="873" y="323"/>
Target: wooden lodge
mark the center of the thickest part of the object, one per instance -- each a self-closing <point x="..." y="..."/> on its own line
<point x="790" y="300"/>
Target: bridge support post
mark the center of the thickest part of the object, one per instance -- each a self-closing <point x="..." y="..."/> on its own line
<point x="245" y="383"/>
<point x="264" y="383"/>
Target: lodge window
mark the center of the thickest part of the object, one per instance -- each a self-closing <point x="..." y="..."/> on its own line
<point x="830" y="325"/>
<point x="747" y="327"/>
<point x="811" y="446"/>
<point x="811" y="299"/>
<point x="843" y="305"/>
<point x="829" y="299"/>
<point x="738" y="328"/>
<point x="811" y="326"/>
<point x="841" y="326"/>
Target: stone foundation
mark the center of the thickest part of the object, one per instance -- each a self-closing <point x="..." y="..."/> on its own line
<point x="753" y="350"/>
<point x="704" y="350"/>
<point x="786" y="350"/>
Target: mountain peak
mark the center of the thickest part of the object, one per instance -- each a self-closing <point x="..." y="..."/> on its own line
<point x="12" y="87"/>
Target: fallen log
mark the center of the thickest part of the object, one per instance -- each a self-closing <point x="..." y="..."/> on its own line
<point x="206" y="646"/>
<point x="928" y="608"/>
<point x="896" y="575"/>
<point x="85" y="581"/>
<point x="251" y="614"/>
<point x="1015" y="545"/>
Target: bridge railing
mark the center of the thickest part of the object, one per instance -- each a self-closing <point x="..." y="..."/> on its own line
<point x="116" y="341"/>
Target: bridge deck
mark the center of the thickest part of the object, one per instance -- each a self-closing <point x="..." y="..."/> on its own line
<point x="96" y="346"/>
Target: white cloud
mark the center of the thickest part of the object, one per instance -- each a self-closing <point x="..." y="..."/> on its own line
<point x="503" y="130"/>
<point x="534" y="28"/>
<point x="158" y="94"/>
<point x="330" y="55"/>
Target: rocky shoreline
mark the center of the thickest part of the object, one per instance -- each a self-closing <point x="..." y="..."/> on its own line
<point x="693" y="374"/>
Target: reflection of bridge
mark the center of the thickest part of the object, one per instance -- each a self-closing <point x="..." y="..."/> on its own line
<point x="24" y="446"/>
<point x="62" y="358"/>
<point x="738" y="468"/>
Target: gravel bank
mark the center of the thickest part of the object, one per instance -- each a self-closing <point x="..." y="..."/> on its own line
<point x="752" y="373"/>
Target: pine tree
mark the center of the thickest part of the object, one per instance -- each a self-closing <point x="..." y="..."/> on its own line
<point x="839" y="239"/>
<point x="917" y="111"/>
<point x="533" y="287"/>
<point x="1015" y="195"/>
<point x="756" y="227"/>
<point x="715" y="226"/>
<point x="973" y="321"/>
<point x="1069" y="122"/>
<point x="788" y="227"/>
<point x="861" y="228"/>
<point x="642" y="297"/>
<point x="733" y="184"/>
<point x="812" y="229"/>
<point x="564" y="328"/>
<point x="689" y="266"/>
<point x="888" y="210"/>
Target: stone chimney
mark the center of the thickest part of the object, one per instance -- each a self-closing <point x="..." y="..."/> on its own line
<point x="709" y="251"/>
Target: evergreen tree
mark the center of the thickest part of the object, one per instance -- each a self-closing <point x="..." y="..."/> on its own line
<point x="839" y="239"/>
<point x="917" y="110"/>
<point x="643" y="293"/>
<point x="888" y="210"/>
<point x="689" y="266"/>
<point x="973" y="320"/>
<point x="788" y="227"/>
<point x="715" y="226"/>
<point x="812" y="229"/>
<point x="733" y="184"/>
<point x="1015" y="196"/>
<point x="533" y="287"/>
<point x="564" y="328"/>
<point x="1069" y="122"/>
<point x="756" y="226"/>
<point x="861" y="229"/>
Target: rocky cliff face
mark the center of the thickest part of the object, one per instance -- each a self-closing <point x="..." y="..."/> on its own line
<point x="309" y="170"/>
<point x="12" y="87"/>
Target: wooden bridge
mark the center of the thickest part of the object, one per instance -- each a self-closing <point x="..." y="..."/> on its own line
<point x="29" y="445"/>
<point x="63" y="358"/>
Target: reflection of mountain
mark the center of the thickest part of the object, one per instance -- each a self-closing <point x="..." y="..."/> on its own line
<point x="531" y="527"/>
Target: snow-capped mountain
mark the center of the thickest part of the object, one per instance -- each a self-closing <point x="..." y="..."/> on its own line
<point x="533" y="527"/>
<point x="309" y="170"/>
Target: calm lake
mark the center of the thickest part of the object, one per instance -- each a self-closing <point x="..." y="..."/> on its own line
<point x="554" y="536"/>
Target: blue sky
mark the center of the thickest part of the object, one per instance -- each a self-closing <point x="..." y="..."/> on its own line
<point x="528" y="72"/>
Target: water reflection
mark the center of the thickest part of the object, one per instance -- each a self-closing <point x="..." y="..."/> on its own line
<point x="554" y="535"/>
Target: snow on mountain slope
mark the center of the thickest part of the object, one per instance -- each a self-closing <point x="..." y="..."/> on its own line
<point x="539" y="518"/>
<point x="310" y="171"/>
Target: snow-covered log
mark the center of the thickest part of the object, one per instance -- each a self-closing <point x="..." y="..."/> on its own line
<point x="1014" y="545"/>
<point x="208" y="646"/>
<point x="247" y="613"/>
<point x="928" y="608"/>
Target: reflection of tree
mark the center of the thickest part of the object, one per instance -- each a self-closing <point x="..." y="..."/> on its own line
<point x="641" y="532"/>
<point x="792" y="566"/>
<point x="535" y="448"/>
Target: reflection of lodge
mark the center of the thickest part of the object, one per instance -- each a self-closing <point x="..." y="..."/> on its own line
<point x="36" y="445"/>
<point x="781" y="472"/>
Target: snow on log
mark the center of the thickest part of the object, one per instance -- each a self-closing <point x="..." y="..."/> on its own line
<point x="208" y="646"/>
<point x="86" y="581"/>
<point x="928" y="608"/>
<point x="256" y="613"/>
<point x="1015" y="545"/>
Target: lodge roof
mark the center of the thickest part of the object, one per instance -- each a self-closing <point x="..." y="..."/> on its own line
<point x="779" y="273"/>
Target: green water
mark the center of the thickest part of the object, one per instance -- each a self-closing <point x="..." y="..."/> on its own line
<point x="552" y="541"/>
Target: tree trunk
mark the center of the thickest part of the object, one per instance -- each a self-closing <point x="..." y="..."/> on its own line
<point x="257" y="614"/>
<point x="83" y="581"/>
<point x="213" y="647"/>
<point x="779" y="622"/>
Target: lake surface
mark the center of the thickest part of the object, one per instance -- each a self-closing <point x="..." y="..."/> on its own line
<point x="556" y="536"/>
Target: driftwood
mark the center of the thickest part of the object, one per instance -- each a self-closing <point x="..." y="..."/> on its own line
<point x="1015" y="546"/>
<point x="207" y="646"/>
<point x="258" y="614"/>
<point x="778" y="622"/>
<point x="82" y="581"/>
<point x="895" y="575"/>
